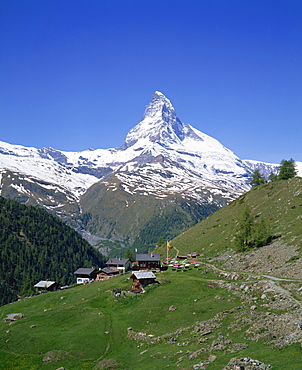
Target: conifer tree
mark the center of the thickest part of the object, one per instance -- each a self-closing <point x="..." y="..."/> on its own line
<point x="244" y="231"/>
<point x="128" y="254"/>
<point x="272" y="177"/>
<point x="161" y="241"/>
<point x="287" y="169"/>
<point x="261" y="234"/>
<point x="257" y="178"/>
<point x="251" y="234"/>
<point x="27" y="288"/>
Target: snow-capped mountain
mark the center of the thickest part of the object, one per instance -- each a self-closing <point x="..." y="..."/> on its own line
<point x="162" y="158"/>
<point x="264" y="168"/>
<point x="160" y="133"/>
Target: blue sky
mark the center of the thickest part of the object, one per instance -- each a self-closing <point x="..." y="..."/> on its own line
<point x="77" y="74"/>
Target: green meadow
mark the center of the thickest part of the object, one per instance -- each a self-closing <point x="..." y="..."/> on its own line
<point x="86" y="327"/>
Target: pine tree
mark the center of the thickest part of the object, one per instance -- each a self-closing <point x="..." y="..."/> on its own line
<point x="272" y="177"/>
<point x="27" y="288"/>
<point x="251" y="234"/>
<point x="287" y="169"/>
<point x="244" y="231"/>
<point x="257" y="178"/>
<point x="128" y="254"/>
<point x="161" y="242"/>
<point x="261" y="234"/>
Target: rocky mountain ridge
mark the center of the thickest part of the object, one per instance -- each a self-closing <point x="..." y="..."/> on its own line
<point x="162" y="158"/>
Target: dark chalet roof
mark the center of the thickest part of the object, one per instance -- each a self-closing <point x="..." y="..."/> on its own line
<point x="109" y="271"/>
<point x="153" y="257"/>
<point x="117" y="261"/>
<point x="85" y="271"/>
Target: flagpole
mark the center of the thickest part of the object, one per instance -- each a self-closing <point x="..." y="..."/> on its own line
<point x="168" y="247"/>
<point x="167" y="250"/>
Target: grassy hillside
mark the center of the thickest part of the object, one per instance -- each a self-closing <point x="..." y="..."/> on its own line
<point x="34" y="246"/>
<point x="278" y="203"/>
<point x="195" y="315"/>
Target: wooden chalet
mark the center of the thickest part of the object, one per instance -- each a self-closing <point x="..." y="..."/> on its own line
<point x="106" y="273"/>
<point x="147" y="261"/>
<point x="85" y="275"/>
<point x="47" y="285"/>
<point x="141" y="279"/>
<point x="120" y="264"/>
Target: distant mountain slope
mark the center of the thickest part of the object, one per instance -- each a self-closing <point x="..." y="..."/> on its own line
<point x="138" y="219"/>
<point x="279" y="204"/>
<point x="34" y="246"/>
<point x="264" y="168"/>
<point x="162" y="162"/>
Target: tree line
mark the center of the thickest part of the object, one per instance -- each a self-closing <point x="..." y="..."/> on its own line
<point x="34" y="246"/>
<point x="286" y="170"/>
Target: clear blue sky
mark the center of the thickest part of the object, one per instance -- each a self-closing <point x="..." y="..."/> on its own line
<point x="77" y="74"/>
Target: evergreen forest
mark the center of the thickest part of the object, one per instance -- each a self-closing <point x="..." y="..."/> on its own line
<point x="34" y="246"/>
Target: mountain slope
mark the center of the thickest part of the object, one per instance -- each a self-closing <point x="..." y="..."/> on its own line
<point x="162" y="162"/>
<point x="138" y="219"/>
<point x="165" y="161"/>
<point x="280" y="205"/>
<point x="34" y="246"/>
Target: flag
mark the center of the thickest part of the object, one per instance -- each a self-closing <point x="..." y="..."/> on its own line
<point x="168" y="246"/>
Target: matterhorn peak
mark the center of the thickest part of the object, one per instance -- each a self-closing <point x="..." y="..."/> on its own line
<point x="159" y="107"/>
<point x="159" y="124"/>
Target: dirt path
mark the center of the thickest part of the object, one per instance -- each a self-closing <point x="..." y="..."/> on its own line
<point x="268" y="282"/>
